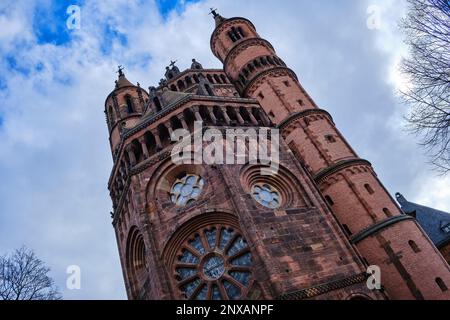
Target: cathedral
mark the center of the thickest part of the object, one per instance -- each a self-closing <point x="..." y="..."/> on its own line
<point x="309" y="231"/>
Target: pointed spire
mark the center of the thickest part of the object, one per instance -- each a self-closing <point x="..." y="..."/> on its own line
<point x="217" y="17"/>
<point x="401" y="199"/>
<point x="122" y="81"/>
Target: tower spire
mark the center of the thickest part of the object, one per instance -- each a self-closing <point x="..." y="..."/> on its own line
<point x="217" y="17"/>
<point x="122" y="81"/>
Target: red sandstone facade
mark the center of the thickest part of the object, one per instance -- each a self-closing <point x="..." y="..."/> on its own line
<point x="226" y="231"/>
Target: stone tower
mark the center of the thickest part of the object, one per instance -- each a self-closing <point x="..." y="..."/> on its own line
<point x="216" y="231"/>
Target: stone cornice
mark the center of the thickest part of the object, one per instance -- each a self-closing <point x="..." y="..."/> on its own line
<point x="367" y="232"/>
<point x="243" y="45"/>
<point x="318" y="178"/>
<point x="301" y="114"/>
<point x="273" y="70"/>
<point x="324" y="288"/>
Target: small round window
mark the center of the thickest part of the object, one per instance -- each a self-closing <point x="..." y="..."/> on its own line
<point x="186" y="189"/>
<point x="266" y="195"/>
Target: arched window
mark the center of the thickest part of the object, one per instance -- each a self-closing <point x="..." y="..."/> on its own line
<point x="231" y="36"/>
<point x="236" y="33"/>
<point x="195" y="78"/>
<point x="150" y="142"/>
<point x="369" y="188"/>
<point x="329" y="200"/>
<point x="224" y="79"/>
<point x="387" y="212"/>
<point x="129" y="103"/>
<point x="263" y="61"/>
<point x="180" y="84"/>
<point x="173" y="88"/>
<point x="136" y="261"/>
<point x="242" y="79"/>
<point x="209" y="89"/>
<point x="241" y="32"/>
<point x="216" y="77"/>
<point x="209" y="77"/>
<point x="441" y="284"/>
<point x="137" y="149"/>
<point x="111" y="115"/>
<point x="330" y="138"/>
<point x="157" y="104"/>
<point x="414" y="246"/>
<point x="347" y="230"/>
<point x="164" y="135"/>
<point x="188" y="81"/>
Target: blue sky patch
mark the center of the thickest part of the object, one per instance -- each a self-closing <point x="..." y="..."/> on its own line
<point x="165" y="6"/>
<point x="14" y="65"/>
<point x="49" y="22"/>
<point x="110" y="35"/>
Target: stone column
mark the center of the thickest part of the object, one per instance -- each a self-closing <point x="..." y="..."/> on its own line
<point x="169" y="128"/>
<point x="211" y="114"/>
<point x="252" y="117"/>
<point x="183" y="121"/>
<point x="264" y="118"/>
<point x="239" y="117"/>
<point x="157" y="139"/>
<point x="144" y="148"/>
<point x="225" y="115"/>
<point x="197" y="114"/>
<point x="131" y="155"/>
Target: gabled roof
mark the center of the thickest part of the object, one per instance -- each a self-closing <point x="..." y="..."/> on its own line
<point x="169" y="97"/>
<point x="431" y="220"/>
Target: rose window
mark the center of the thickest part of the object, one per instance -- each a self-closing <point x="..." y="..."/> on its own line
<point x="186" y="189"/>
<point x="215" y="263"/>
<point x="267" y="195"/>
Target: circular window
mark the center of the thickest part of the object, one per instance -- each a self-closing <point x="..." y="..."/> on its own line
<point x="186" y="189"/>
<point x="215" y="263"/>
<point x="266" y="195"/>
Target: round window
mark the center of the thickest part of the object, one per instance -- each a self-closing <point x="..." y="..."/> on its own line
<point x="215" y="263"/>
<point x="266" y="195"/>
<point x="186" y="189"/>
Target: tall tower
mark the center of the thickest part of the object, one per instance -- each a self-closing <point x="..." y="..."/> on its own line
<point x="411" y="266"/>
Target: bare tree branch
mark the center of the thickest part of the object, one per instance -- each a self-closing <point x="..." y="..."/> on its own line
<point x="427" y="29"/>
<point x="24" y="277"/>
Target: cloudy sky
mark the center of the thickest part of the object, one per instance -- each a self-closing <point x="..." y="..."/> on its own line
<point x="54" y="153"/>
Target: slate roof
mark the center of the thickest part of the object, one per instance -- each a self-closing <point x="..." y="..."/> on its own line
<point x="431" y="220"/>
<point x="123" y="82"/>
